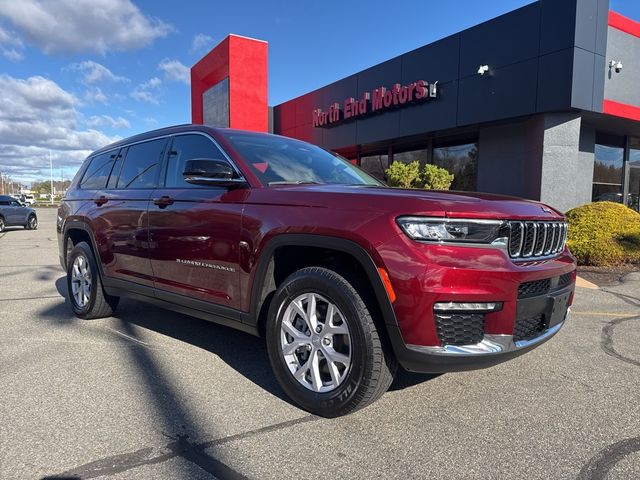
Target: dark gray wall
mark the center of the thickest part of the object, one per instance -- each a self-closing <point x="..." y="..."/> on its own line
<point x="546" y="56"/>
<point x="547" y="157"/>
<point x="623" y="87"/>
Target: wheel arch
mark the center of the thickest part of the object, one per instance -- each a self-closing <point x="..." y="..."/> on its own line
<point x="78" y="231"/>
<point x="266" y="279"/>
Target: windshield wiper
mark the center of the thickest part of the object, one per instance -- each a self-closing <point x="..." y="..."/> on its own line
<point x="295" y="182"/>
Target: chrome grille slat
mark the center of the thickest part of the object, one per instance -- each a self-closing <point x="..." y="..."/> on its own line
<point x="536" y="239"/>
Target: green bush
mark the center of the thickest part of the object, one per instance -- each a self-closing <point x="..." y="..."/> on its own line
<point x="604" y="234"/>
<point x="410" y="175"/>
<point x="436" y="178"/>
<point x="404" y="175"/>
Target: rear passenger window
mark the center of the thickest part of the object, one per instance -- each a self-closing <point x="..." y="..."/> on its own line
<point x="188" y="147"/>
<point x="95" y="178"/>
<point x="115" y="171"/>
<point x="140" y="168"/>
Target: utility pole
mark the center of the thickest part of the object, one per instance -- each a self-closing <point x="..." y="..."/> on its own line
<point x="51" y="177"/>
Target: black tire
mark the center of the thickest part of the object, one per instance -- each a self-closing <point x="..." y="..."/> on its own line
<point x="372" y="367"/>
<point x="2" y="224"/>
<point x="32" y="222"/>
<point x="99" y="304"/>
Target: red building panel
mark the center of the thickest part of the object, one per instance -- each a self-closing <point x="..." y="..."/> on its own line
<point x="244" y="61"/>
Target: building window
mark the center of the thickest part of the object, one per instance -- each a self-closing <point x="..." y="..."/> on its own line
<point x="608" y="173"/>
<point x="375" y="165"/>
<point x="633" y="198"/>
<point x="462" y="161"/>
<point x="421" y="156"/>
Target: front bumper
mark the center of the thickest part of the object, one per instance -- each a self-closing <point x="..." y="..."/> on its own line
<point x="447" y="274"/>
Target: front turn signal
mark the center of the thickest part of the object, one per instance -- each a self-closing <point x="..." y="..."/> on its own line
<point x="384" y="276"/>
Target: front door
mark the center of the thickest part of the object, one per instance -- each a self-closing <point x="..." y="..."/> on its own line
<point x="194" y="230"/>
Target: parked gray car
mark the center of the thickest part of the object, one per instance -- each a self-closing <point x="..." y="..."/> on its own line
<point x="15" y="213"/>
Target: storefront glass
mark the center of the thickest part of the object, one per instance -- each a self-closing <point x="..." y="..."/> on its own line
<point x="375" y="165"/>
<point x="633" y="199"/>
<point x="462" y="161"/>
<point x="608" y="173"/>
<point x="407" y="157"/>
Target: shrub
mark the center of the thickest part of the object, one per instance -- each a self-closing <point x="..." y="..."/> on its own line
<point x="604" y="234"/>
<point x="409" y="175"/>
<point x="436" y="178"/>
<point x="404" y="175"/>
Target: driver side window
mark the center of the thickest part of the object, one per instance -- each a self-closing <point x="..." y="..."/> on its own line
<point x="188" y="147"/>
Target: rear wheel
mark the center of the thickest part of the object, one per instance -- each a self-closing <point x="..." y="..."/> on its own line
<point x="32" y="223"/>
<point x="86" y="295"/>
<point x="323" y="344"/>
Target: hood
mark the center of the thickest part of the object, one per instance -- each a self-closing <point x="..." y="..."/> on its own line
<point x="398" y="201"/>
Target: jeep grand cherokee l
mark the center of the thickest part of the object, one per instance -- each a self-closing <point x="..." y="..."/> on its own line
<point x="345" y="277"/>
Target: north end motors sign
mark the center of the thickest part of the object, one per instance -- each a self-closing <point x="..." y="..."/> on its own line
<point x="378" y="100"/>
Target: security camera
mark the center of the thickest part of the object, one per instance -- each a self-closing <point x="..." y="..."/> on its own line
<point x="482" y="69"/>
<point x="616" y="65"/>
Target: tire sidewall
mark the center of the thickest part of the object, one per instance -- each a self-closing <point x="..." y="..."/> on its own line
<point x="29" y="220"/>
<point x="82" y="249"/>
<point x="342" y="295"/>
<point x="2" y="224"/>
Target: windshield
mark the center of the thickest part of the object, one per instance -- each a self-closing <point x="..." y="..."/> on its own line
<point x="279" y="160"/>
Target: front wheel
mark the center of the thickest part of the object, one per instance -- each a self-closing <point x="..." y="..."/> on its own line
<point x="32" y="223"/>
<point x="1" y="224"/>
<point x="84" y="286"/>
<point x="323" y="345"/>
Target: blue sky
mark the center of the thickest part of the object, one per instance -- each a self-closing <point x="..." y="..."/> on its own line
<point x="78" y="74"/>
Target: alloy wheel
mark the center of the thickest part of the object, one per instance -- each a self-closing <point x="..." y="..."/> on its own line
<point x="33" y="223"/>
<point x="316" y="342"/>
<point x="81" y="281"/>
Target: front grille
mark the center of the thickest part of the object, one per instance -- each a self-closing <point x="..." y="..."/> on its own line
<point x="528" y="328"/>
<point x="529" y="240"/>
<point x="460" y="329"/>
<point x="532" y="289"/>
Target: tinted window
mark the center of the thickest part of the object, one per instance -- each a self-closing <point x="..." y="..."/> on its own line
<point x="115" y="171"/>
<point x="98" y="172"/>
<point x="607" y="173"/>
<point x="141" y="164"/>
<point x="5" y="200"/>
<point x="188" y="147"/>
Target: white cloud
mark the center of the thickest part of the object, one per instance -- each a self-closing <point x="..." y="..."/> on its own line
<point x="95" y="95"/>
<point x="148" y="91"/>
<point x="101" y="121"/>
<point x="38" y="116"/>
<point x="175" y="71"/>
<point x="93" y="72"/>
<point x="201" y="43"/>
<point x="72" y="26"/>
<point x="10" y="46"/>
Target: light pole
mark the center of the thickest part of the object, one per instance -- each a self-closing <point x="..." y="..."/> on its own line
<point x="51" y="177"/>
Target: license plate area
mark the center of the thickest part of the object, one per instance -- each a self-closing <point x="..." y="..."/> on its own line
<point x="560" y="304"/>
<point x="552" y="307"/>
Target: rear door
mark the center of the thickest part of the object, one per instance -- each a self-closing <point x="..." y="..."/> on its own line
<point x="194" y="230"/>
<point x="120" y="221"/>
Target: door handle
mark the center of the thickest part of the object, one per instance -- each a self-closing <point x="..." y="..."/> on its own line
<point x="101" y="200"/>
<point x="163" y="201"/>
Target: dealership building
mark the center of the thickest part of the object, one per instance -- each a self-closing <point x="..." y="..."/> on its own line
<point x="542" y="102"/>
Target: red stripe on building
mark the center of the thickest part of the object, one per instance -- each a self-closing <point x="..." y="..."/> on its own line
<point x="624" y="23"/>
<point x="621" y="109"/>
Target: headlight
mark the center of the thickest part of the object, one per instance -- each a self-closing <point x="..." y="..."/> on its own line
<point x="429" y="229"/>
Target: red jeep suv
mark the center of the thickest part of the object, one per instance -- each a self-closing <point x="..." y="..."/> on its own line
<point x="345" y="277"/>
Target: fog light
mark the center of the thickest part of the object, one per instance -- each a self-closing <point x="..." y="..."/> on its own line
<point x="467" y="306"/>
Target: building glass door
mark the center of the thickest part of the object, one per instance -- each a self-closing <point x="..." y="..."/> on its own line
<point x="633" y="197"/>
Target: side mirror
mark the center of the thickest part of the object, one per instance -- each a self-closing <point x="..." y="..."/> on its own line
<point x="206" y="171"/>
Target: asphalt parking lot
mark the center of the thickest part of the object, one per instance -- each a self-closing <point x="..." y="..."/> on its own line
<point x="151" y="394"/>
